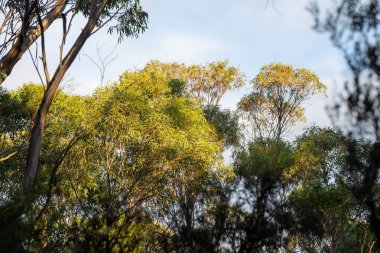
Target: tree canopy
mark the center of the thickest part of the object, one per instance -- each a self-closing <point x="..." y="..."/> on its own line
<point x="153" y="162"/>
<point x="138" y="167"/>
<point x="275" y="103"/>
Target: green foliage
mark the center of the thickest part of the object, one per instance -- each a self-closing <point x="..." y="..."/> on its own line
<point x="322" y="207"/>
<point x="325" y="210"/>
<point x="126" y="16"/>
<point x="129" y="19"/>
<point x="137" y="167"/>
<point x="110" y="163"/>
<point x="275" y="103"/>
<point x="3" y="76"/>
<point x="17" y="110"/>
<point x="260" y="213"/>
<point x="226" y="124"/>
<point x="320" y="153"/>
<point x="265" y="157"/>
<point x="207" y="83"/>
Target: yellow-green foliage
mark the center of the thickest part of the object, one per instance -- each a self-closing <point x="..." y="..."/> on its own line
<point x="142" y="141"/>
<point x="282" y="75"/>
<point x="275" y="103"/>
<point x="208" y="83"/>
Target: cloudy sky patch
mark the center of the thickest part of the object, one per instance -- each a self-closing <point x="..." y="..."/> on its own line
<point x="249" y="33"/>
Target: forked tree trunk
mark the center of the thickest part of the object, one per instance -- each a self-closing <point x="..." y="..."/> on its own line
<point x="25" y="41"/>
<point x="52" y="87"/>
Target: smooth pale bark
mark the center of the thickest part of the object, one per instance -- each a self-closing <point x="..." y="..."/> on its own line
<point x="41" y="116"/>
<point x="24" y="41"/>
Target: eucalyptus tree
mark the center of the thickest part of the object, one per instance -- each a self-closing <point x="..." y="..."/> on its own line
<point x="327" y="214"/>
<point x="124" y="17"/>
<point x="206" y="82"/>
<point x="22" y="24"/>
<point x="354" y="29"/>
<point x="19" y="218"/>
<point x="260" y="214"/>
<point x="147" y="152"/>
<point x="275" y="103"/>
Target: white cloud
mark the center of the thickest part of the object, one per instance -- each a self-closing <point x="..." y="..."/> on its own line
<point x="191" y="48"/>
<point x="245" y="32"/>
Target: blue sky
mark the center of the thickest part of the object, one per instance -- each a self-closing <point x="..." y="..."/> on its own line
<point x="249" y="33"/>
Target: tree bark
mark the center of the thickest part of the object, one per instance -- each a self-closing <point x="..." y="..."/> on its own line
<point x="52" y="87"/>
<point x="25" y="40"/>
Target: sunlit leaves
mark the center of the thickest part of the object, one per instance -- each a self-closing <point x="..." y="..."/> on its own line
<point x="126" y="17"/>
<point x="275" y="103"/>
<point x="208" y="82"/>
<point x="320" y="153"/>
<point x="143" y="141"/>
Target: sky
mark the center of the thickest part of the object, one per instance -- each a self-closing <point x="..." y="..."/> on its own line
<point x="248" y="33"/>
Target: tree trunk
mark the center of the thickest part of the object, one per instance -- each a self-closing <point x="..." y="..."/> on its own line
<point x="39" y="124"/>
<point x="25" y="41"/>
<point x="52" y="87"/>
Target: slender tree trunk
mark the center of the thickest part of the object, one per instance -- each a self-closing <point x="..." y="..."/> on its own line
<point x="25" y="40"/>
<point x="39" y="124"/>
<point x="52" y="87"/>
